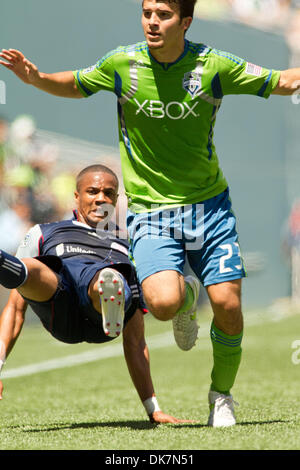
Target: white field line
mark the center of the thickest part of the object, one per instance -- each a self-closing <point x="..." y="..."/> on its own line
<point x="104" y="352"/>
<point x="114" y="350"/>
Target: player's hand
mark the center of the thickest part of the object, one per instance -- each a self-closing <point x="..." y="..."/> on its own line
<point x="159" y="417"/>
<point x="1" y="389"/>
<point x="17" y="63"/>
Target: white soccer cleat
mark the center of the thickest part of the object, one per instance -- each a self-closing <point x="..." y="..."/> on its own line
<point x="221" y="410"/>
<point x="112" y="300"/>
<point x="185" y="326"/>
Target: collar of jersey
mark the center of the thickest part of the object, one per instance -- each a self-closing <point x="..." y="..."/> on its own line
<point x="167" y="65"/>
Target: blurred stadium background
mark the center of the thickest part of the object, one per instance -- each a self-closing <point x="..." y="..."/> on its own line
<point x="45" y="140"/>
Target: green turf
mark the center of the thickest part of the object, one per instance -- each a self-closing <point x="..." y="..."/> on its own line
<point x="94" y="406"/>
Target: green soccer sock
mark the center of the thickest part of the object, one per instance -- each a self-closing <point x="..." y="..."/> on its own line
<point x="227" y="354"/>
<point x="189" y="299"/>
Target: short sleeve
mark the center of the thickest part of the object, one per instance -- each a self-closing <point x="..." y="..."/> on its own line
<point x="100" y="76"/>
<point x="30" y="245"/>
<point x="237" y="76"/>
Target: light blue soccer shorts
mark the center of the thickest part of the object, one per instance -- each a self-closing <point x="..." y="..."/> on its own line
<point x="204" y="234"/>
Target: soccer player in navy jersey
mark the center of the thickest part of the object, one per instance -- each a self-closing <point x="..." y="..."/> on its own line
<point x="79" y="281"/>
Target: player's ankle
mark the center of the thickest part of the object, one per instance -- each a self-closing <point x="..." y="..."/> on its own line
<point x="13" y="272"/>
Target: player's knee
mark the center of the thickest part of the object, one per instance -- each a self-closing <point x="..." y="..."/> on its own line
<point x="163" y="294"/>
<point x="164" y="308"/>
<point x="230" y="307"/>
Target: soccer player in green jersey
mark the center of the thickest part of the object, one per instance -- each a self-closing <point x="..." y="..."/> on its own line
<point x="169" y="91"/>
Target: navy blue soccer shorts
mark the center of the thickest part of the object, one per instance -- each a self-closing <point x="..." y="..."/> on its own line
<point x="204" y="234"/>
<point x="69" y="315"/>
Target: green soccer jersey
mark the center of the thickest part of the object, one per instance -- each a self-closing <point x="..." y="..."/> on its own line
<point x="167" y="114"/>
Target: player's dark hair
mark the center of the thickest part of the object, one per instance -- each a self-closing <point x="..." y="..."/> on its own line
<point x="95" y="169"/>
<point x="186" y="7"/>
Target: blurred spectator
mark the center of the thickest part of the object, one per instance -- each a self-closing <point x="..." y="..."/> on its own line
<point x="3" y="147"/>
<point x="291" y="248"/>
<point x="266" y="14"/>
<point x="15" y="221"/>
<point x="294" y="224"/>
<point x="293" y="33"/>
<point x="63" y="187"/>
<point x="22" y="140"/>
<point x="212" y="9"/>
<point x="278" y="16"/>
<point x="274" y="15"/>
<point x="29" y="168"/>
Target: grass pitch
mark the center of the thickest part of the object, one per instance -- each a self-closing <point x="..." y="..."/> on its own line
<point x="92" y="404"/>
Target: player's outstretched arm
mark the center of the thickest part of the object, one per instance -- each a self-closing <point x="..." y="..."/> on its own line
<point x="59" y="84"/>
<point x="289" y="82"/>
<point x="11" y="322"/>
<point x="137" y="359"/>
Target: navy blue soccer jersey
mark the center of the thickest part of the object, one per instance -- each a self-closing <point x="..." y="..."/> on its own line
<point x="69" y="238"/>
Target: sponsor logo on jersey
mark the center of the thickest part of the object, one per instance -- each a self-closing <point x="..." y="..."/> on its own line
<point x="62" y="249"/>
<point x="26" y="240"/>
<point x="252" y="69"/>
<point x="174" y="110"/>
<point x="192" y="83"/>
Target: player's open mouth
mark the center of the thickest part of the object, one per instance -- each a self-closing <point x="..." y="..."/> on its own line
<point x="153" y="35"/>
